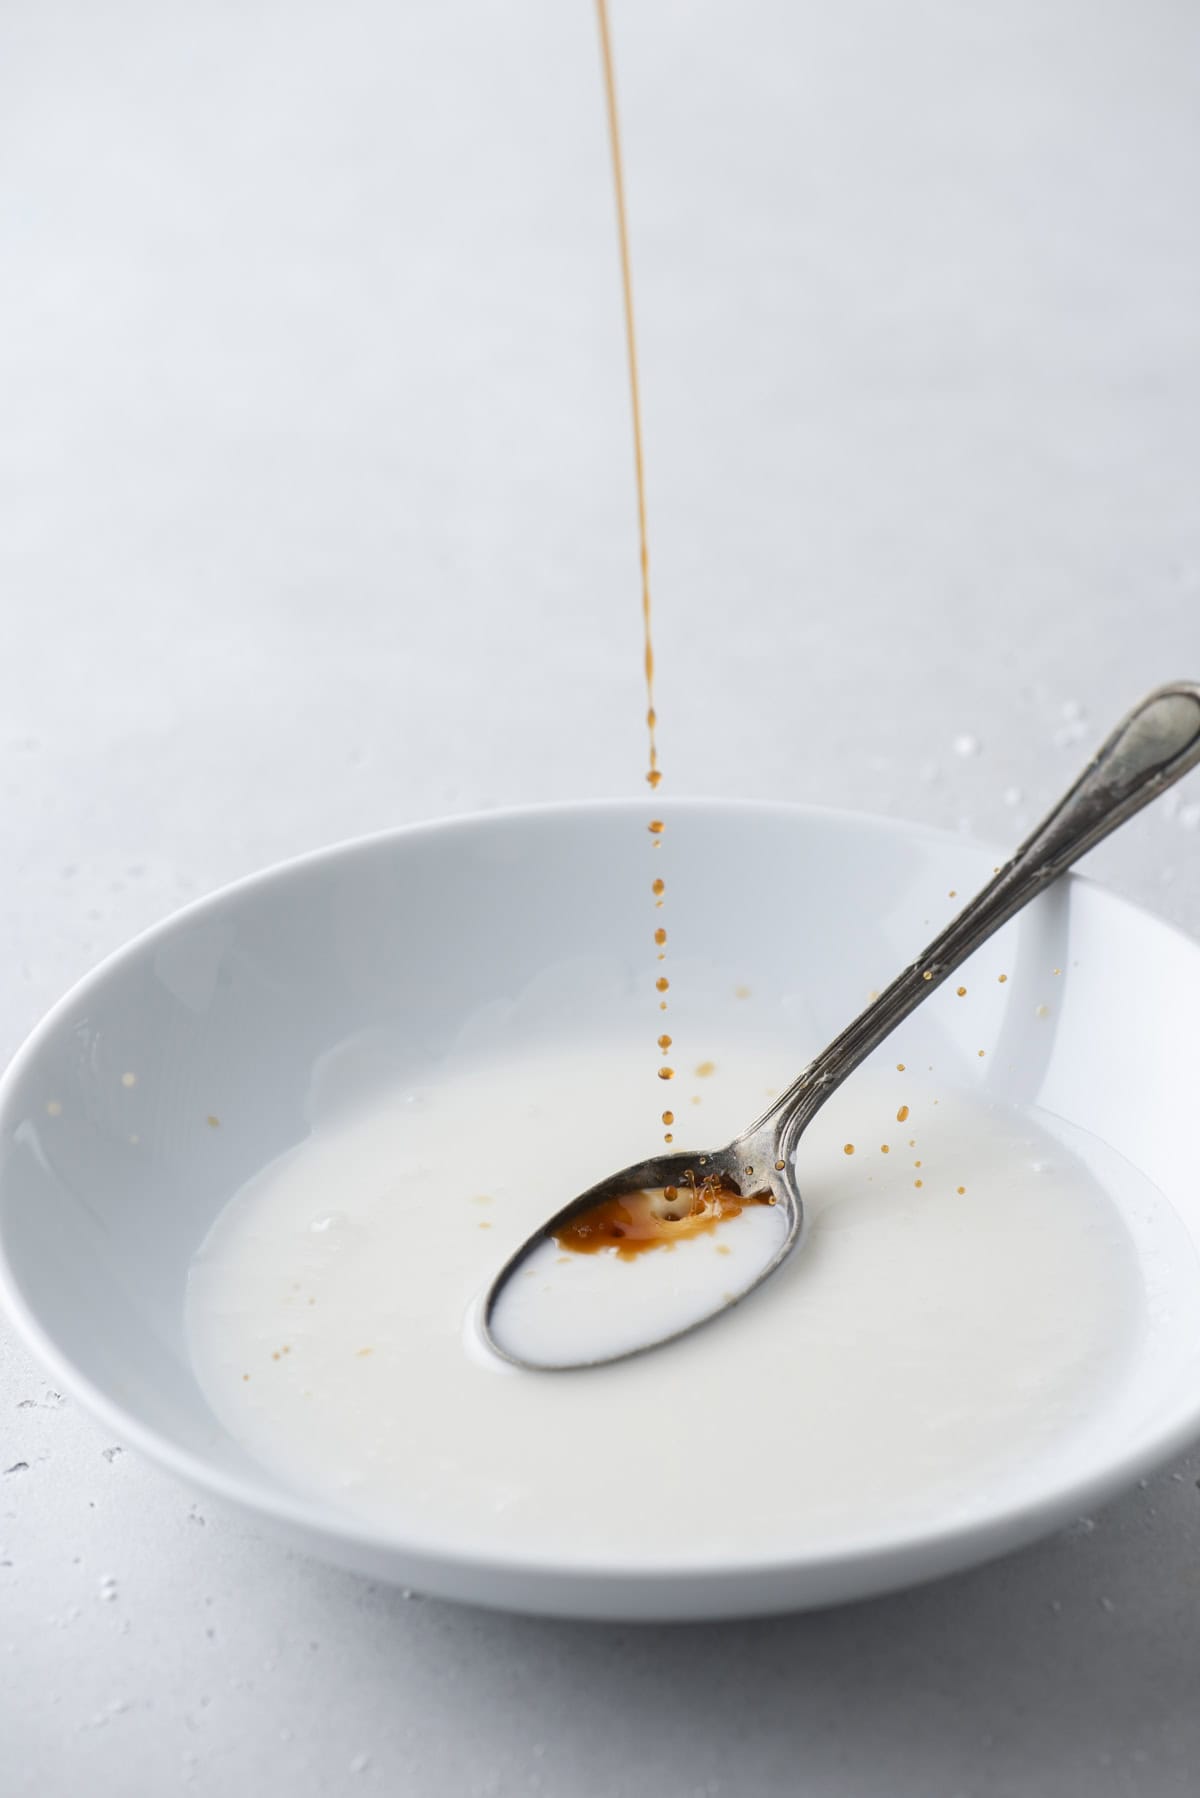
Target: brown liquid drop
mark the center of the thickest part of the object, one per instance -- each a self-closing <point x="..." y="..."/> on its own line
<point x="885" y="1148"/>
<point x="960" y="1189"/>
<point x="660" y="935"/>
<point x="662" y="983"/>
<point x="705" y="1068"/>
<point x="668" y="1117"/>
<point x="664" y="1043"/>
<point x="656" y="827"/>
<point x="666" y="1073"/>
<point x="638" y="1221"/>
<point x="902" y="1114"/>
<point x="848" y="1149"/>
<point x="962" y="992"/>
<point x="658" y="887"/>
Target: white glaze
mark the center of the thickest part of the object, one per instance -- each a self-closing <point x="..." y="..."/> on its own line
<point x="923" y="1346"/>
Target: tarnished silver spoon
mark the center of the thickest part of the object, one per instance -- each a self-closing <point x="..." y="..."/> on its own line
<point x="1150" y="749"/>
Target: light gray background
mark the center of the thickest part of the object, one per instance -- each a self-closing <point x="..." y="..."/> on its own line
<point x="318" y="518"/>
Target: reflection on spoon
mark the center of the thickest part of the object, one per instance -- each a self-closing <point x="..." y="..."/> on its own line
<point x="583" y="1294"/>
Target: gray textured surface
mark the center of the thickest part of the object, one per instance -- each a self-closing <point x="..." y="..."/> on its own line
<point x="318" y="518"/>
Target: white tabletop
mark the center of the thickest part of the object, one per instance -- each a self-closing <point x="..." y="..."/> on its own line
<point x="319" y="518"/>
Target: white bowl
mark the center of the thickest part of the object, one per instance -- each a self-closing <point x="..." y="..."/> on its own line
<point x="226" y="1009"/>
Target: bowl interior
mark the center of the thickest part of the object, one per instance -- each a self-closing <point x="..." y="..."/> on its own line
<point x="192" y="1059"/>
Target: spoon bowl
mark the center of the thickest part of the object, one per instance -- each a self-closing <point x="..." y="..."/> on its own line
<point x="747" y="1167"/>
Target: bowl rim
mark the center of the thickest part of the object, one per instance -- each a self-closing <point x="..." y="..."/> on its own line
<point x="989" y="1531"/>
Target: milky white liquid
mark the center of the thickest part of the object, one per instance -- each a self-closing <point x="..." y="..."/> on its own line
<point x="923" y="1348"/>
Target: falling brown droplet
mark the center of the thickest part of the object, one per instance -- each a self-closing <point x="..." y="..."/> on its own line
<point x="1002" y="978"/>
<point x="953" y="893"/>
<point x="656" y="825"/>
<point x="668" y="1117"/>
<point x="961" y="991"/>
<point x="664" y="1043"/>
<point x="885" y="1148"/>
<point x="918" y="1182"/>
<point x="705" y="1068"/>
<point x="667" y="1137"/>
<point x="658" y="887"/>
<point x="654" y="776"/>
<point x="902" y="1114"/>
<point x="960" y="1189"/>
<point x="848" y="1148"/>
<point x="916" y="1164"/>
<point x="662" y="1005"/>
<point x="666" y="1073"/>
<point x="660" y="935"/>
<point x="662" y="983"/>
<point x="245" y="1376"/>
<point x="899" y="1067"/>
<point x="983" y="1052"/>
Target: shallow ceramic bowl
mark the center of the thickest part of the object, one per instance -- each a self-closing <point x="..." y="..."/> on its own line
<point x="108" y="1185"/>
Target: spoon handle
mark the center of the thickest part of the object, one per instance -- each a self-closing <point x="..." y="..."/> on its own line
<point x="1150" y="749"/>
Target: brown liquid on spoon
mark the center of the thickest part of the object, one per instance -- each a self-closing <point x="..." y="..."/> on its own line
<point x="637" y="1221"/>
<point x="654" y="773"/>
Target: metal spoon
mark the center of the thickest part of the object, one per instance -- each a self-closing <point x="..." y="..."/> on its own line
<point x="1150" y="749"/>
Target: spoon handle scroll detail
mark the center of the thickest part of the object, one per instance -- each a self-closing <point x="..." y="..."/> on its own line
<point x="1157" y="743"/>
